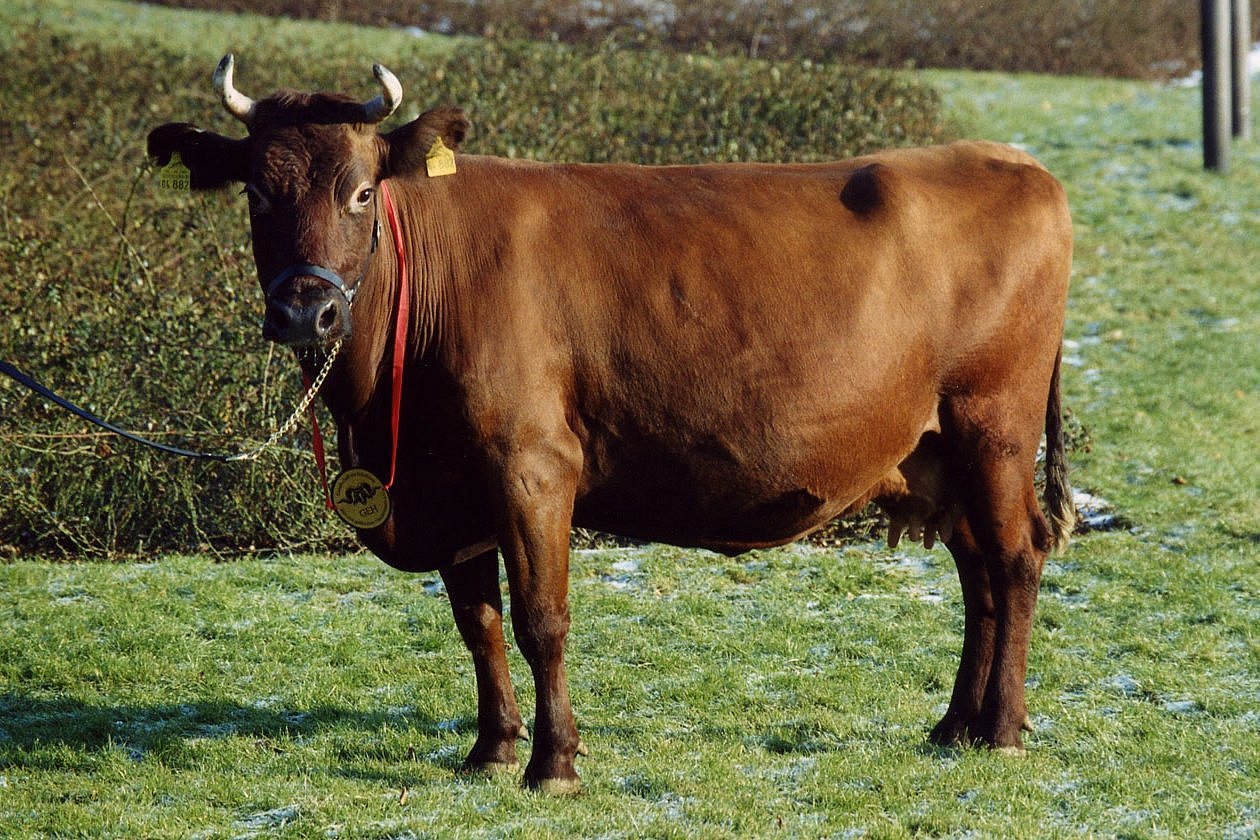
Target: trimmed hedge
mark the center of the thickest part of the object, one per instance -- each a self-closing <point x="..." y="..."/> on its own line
<point x="657" y="107"/>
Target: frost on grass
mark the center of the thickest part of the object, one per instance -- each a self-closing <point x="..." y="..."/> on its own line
<point x="67" y="593"/>
<point x="1122" y="684"/>
<point x="1182" y="707"/>
<point x="1095" y="513"/>
<point x="624" y="573"/>
<point x="445" y="755"/>
<point x="925" y="578"/>
<point x="667" y="804"/>
<point x="267" y="821"/>
<point x="218" y="730"/>
<point x="1247" y="829"/>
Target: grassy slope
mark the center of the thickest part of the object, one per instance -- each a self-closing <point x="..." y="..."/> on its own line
<point x="789" y="689"/>
<point x="210" y="35"/>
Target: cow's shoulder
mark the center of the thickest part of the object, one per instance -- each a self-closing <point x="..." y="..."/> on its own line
<point x="962" y="158"/>
<point x="980" y="173"/>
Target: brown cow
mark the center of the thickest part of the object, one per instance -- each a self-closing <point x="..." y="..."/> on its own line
<point x="723" y="356"/>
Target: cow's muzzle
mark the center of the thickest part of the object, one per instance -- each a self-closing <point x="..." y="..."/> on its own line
<point x="307" y="306"/>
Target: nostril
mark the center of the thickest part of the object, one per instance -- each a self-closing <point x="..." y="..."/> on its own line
<point x="327" y="318"/>
<point x="293" y="324"/>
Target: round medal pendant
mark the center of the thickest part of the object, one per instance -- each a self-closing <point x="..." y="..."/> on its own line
<point x="360" y="499"/>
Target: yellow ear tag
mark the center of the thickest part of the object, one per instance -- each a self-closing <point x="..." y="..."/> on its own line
<point x="175" y="176"/>
<point x="360" y="499"/>
<point x="439" y="160"/>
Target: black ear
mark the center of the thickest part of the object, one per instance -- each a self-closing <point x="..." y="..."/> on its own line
<point x="408" y="144"/>
<point x="212" y="159"/>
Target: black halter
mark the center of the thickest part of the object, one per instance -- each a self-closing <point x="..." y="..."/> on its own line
<point x="327" y="274"/>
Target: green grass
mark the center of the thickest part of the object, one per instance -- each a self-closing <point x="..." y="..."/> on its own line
<point x="783" y="693"/>
<point x="206" y="37"/>
<point x="786" y="690"/>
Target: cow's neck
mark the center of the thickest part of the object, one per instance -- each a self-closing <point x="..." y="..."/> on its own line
<point x="357" y="392"/>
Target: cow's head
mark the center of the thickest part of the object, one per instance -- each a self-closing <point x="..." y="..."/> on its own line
<point x="311" y="165"/>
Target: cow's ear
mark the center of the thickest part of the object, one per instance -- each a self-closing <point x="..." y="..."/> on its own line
<point x="213" y="160"/>
<point x="409" y="144"/>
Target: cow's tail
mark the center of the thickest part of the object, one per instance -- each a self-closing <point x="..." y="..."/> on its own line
<point x="1060" y="509"/>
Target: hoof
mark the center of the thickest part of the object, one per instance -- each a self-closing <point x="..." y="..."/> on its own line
<point x="1027" y="725"/>
<point x="490" y="768"/>
<point x="949" y="733"/>
<point x="559" y="787"/>
<point x="554" y="775"/>
<point x="1012" y="744"/>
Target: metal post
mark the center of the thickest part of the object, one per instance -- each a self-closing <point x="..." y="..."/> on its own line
<point x="1214" y="20"/>
<point x="1240" y="46"/>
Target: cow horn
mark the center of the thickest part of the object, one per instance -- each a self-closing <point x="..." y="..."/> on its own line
<point x="377" y="109"/>
<point x="237" y="104"/>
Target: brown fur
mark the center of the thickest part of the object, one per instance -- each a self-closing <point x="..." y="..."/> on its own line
<point x="719" y="356"/>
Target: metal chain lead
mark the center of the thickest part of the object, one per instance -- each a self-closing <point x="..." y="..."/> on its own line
<point x="296" y="416"/>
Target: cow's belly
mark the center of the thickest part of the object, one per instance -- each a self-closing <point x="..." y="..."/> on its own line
<point x="759" y="521"/>
<point x="755" y="444"/>
<point x="734" y="489"/>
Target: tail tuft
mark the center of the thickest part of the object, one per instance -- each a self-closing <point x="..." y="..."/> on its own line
<point x="1060" y="509"/>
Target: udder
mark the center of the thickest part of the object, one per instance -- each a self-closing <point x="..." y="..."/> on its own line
<point x="917" y="497"/>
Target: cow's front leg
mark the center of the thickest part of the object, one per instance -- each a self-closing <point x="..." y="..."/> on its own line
<point x="538" y="491"/>
<point x="477" y="603"/>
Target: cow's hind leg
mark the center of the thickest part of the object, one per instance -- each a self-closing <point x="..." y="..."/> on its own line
<point x="979" y="635"/>
<point x="476" y="601"/>
<point x="1000" y="548"/>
